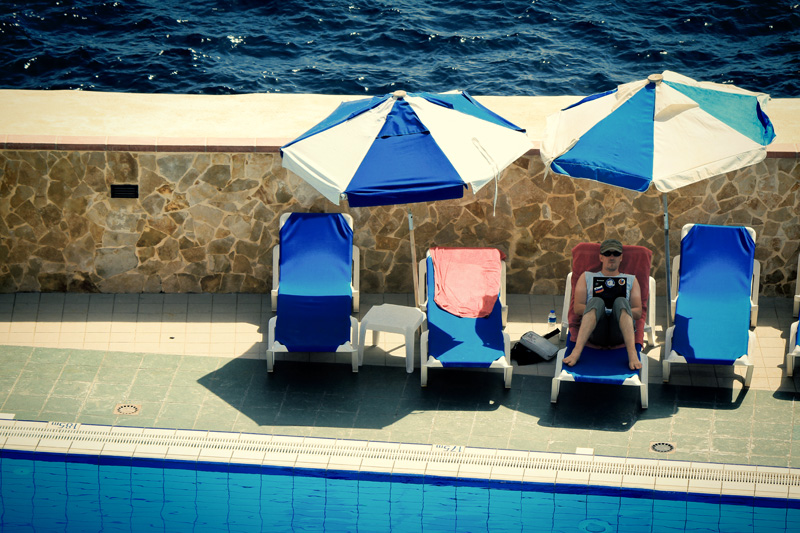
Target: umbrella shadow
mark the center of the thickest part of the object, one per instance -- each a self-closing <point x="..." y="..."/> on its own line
<point x="310" y="394"/>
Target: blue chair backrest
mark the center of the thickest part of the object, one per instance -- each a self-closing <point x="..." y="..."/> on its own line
<point x="314" y="292"/>
<point x="712" y="316"/>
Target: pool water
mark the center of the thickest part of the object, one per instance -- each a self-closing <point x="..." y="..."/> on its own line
<point x="52" y="492"/>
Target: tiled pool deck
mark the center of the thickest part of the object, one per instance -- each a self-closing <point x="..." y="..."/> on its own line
<point x="195" y="361"/>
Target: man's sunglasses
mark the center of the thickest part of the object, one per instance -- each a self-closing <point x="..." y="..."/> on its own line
<point x="612" y="253"/>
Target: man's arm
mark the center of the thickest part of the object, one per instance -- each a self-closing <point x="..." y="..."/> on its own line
<point x="636" y="300"/>
<point x="579" y="296"/>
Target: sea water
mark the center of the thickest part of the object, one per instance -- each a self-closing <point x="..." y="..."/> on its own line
<point x="499" y="47"/>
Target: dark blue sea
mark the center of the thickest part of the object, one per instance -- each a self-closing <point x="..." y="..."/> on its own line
<point x="499" y="47"/>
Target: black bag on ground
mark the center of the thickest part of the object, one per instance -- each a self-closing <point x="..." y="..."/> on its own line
<point x="533" y="348"/>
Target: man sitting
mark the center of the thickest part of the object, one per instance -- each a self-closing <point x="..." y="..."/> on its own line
<point x="609" y="303"/>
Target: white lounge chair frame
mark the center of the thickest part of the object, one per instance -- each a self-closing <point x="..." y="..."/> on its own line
<point x="562" y="375"/>
<point x="272" y="345"/>
<point x="755" y="283"/>
<point x="794" y="350"/>
<point x="426" y="362"/>
<point x="649" y="324"/>
<point x="669" y="356"/>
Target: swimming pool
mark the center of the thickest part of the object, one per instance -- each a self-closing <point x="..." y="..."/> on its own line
<point x="57" y="492"/>
<point x="73" y="477"/>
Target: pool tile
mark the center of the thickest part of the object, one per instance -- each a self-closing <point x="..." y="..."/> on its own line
<point x="143" y="391"/>
<point x="154" y="377"/>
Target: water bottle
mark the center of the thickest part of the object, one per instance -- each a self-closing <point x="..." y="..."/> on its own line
<point x="551" y="319"/>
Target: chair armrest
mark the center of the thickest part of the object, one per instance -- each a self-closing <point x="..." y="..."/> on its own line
<point x="565" y="310"/>
<point x="673" y="289"/>
<point x="754" y="289"/>
<point x="422" y="293"/>
<point x="354" y="286"/>
<point x="276" y="256"/>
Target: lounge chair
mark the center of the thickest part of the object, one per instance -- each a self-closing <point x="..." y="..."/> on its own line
<point x="588" y="251"/>
<point x="451" y="341"/>
<point x="794" y="349"/>
<point x="607" y="366"/>
<point x="315" y="286"/>
<point x="714" y="303"/>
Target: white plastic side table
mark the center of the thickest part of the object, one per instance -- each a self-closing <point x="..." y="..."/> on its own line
<point x="392" y="319"/>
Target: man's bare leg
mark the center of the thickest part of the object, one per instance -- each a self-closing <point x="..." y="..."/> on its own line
<point x="626" y="326"/>
<point x="588" y="323"/>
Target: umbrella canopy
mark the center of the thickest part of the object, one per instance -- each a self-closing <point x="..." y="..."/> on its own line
<point x="668" y="130"/>
<point x="404" y="148"/>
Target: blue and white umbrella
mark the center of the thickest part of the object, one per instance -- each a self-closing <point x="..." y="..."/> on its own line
<point x="668" y="130"/>
<point x="404" y="148"/>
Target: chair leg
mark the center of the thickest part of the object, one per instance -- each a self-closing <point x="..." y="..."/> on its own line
<point x="554" y="390"/>
<point x="665" y="371"/>
<point x="270" y="343"/>
<point x="423" y="375"/>
<point x="507" y="376"/>
<point x="651" y="336"/>
<point x="748" y="377"/>
<point x="645" y="396"/>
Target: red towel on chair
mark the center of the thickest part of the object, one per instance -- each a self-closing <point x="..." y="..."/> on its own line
<point x="636" y="260"/>
<point x="467" y="280"/>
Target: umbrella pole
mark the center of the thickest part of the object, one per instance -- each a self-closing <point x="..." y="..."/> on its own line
<point x="414" y="274"/>
<point x="666" y="247"/>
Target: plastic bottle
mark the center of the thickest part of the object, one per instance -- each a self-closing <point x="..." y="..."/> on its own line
<point x="551" y="319"/>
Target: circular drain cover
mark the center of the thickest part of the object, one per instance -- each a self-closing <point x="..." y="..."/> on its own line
<point x="127" y="409"/>
<point x="662" y="447"/>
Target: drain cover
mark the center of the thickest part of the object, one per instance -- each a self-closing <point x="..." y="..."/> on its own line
<point x="662" y="447"/>
<point x="127" y="409"/>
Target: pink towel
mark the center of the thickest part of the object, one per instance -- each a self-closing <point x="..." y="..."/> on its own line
<point x="467" y="280"/>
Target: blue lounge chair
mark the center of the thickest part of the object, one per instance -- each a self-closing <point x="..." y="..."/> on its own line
<point x="452" y="341"/>
<point x="315" y="280"/>
<point x="607" y="366"/>
<point x="714" y="298"/>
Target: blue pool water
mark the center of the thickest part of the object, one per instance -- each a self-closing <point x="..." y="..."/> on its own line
<point x="502" y="47"/>
<point x="56" y="493"/>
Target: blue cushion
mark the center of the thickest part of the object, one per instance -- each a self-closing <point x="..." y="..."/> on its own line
<point x="314" y="293"/>
<point x="463" y="342"/>
<point x="712" y="317"/>
<point x="601" y="366"/>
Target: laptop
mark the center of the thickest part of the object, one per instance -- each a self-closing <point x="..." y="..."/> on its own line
<point x="609" y="288"/>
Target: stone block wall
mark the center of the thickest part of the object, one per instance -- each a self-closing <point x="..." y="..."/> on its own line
<point x="206" y="222"/>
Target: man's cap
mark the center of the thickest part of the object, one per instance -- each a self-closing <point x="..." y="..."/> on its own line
<point x="611" y="245"/>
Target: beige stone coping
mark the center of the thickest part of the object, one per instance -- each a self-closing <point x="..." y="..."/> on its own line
<point x="80" y="120"/>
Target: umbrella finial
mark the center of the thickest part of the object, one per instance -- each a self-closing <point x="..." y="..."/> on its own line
<point x="655" y="78"/>
<point x="399" y="95"/>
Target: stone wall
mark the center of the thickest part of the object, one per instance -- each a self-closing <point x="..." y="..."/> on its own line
<point x="206" y="222"/>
